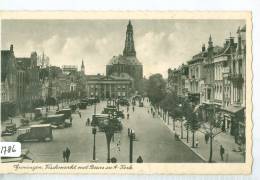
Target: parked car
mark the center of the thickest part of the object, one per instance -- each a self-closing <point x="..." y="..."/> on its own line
<point x="35" y="132"/>
<point x="55" y="119"/>
<point x="38" y="113"/>
<point x="97" y="118"/>
<point x="123" y="102"/>
<point x="83" y="103"/>
<point x="66" y="112"/>
<point x="10" y="129"/>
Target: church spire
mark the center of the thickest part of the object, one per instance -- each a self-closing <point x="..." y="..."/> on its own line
<point x="82" y="67"/>
<point x="129" y="49"/>
<point x="210" y="43"/>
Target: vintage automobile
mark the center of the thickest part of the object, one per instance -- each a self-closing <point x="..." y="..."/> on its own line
<point x="123" y="102"/>
<point x="102" y="120"/>
<point x="109" y="110"/>
<point x="97" y="118"/>
<point x="66" y="112"/>
<point x="24" y="122"/>
<point x="56" y="119"/>
<point x="38" y="113"/>
<point x="39" y="132"/>
<point x="83" y="103"/>
<point x="10" y="129"/>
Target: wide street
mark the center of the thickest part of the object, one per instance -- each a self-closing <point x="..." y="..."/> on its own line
<point x="154" y="141"/>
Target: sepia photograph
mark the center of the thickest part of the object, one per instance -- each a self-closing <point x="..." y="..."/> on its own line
<point x="128" y="90"/>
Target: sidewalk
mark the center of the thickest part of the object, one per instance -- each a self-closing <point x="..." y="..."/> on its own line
<point x="203" y="149"/>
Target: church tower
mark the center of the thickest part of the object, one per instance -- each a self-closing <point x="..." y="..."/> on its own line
<point x="82" y="67"/>
<point x="129" y="49"/>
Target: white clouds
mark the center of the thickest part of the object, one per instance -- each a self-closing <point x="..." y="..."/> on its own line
<point x="159" y="44"/>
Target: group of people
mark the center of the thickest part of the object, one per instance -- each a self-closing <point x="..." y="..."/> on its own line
<point x="66" y="155"/>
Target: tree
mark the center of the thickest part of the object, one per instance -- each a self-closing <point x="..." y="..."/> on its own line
<point x="156" y="88"/>
<point x="109" y="127"/>
<point x="193" y="125"/>
<point x="213" y="125"/>
<point x="169" y="104"/>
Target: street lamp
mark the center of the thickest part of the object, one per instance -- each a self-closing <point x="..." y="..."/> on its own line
<point x="94" y="131"/>
<point x="183" y="118"/>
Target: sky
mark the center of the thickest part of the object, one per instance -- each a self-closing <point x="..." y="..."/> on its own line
<point x="159" y="44"/>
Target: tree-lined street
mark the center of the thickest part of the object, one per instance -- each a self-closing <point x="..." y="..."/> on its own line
<point x="154" y="142"/>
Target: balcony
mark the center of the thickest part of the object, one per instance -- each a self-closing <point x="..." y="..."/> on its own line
<point x="237" y="79"/>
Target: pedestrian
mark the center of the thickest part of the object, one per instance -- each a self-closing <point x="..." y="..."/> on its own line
<point x="222" y="152"/>
<point x="127" y="115"/>
<point x="139" y="159"/>
<point x="207" y="137"/>
<point x="197" y="143"/>
<point x="64" y="155"/>
<point x="88" y="121"/>
<point x="133" y="108"/>
<point x="67" y="154"/>
<point x="70" y="119"/>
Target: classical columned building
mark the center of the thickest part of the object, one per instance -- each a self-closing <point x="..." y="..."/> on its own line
<point x="108" y="86"/>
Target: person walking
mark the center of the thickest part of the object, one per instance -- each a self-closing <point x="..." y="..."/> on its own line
<point x="127" y="115"/>
<point x="88" y="121"/>
<point x="67" y="154"/>
<point x="133" y="109"/>
<point x="207" y="137"/>
<point x="222" y="152"/>
<point x="64" y="155"/>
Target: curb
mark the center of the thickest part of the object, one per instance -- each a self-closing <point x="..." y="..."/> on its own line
<point x="195" y="152"/>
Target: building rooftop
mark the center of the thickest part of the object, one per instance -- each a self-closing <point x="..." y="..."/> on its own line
<point x="128" y="60"/>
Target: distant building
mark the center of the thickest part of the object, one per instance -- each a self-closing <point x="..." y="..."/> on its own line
<point x="178" y="80"/>
<point x="8" y="83"/>
<point x="28" y="82"/>
<point x="108" y="86"/>
<point x="66" y="69"/>
<point x="127" y="63"/>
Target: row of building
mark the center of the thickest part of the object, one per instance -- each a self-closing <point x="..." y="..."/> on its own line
<point x="217" y="75"/>
<point x="29" y="82"/>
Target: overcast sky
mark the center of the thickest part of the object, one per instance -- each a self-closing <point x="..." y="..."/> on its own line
<point x="160" y="44"/>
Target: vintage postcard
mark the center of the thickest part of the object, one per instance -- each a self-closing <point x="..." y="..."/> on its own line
<point x="126" y="92"/>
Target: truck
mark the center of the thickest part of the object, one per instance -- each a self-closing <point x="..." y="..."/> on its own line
<point x="56" y="119"/>
<point x="66" y="112"/>
<point x="40" y="132"/>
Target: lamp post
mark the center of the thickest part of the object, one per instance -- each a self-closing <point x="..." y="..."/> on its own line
<point x="183" y="118"/>
<point x="95" y="104"/>
<point x="94" y="131"/>
<point x="131" y="147"/>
